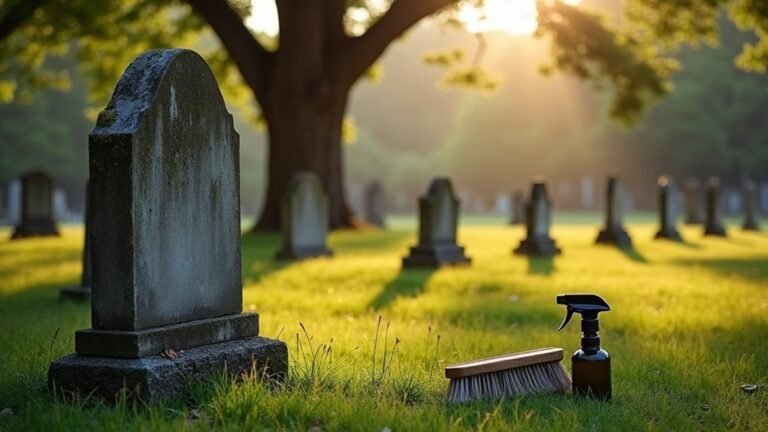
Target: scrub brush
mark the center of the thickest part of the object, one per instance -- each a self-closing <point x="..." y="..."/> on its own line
<point x="535" y="371"/>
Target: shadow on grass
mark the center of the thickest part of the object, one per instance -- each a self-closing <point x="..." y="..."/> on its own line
<point x="544" y="266"/>
<point x="632" y="253"/>
<point x="258" y="256"/>
<point x="753" y="270"/>
<point x="407" y="283"/>
<point x="368" y="239"/>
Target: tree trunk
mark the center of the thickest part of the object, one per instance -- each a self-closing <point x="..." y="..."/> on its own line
<point x="305" y="136"/>
<point x="304" y="109"/>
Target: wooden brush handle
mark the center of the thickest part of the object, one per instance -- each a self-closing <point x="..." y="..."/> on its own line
<point x="503" y="362"/>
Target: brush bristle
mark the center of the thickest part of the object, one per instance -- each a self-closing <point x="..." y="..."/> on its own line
<point x="549" y="377"/>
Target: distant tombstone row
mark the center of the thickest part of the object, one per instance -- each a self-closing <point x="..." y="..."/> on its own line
<point x="713" y="220"/>
<point x="375" y="204"/>
<point x="538" y="218"/>
<point x="517" y="209"/>
<point x="438" y="223"/>
<point x="165" y="250"/>
<point x="37" y="214"/>
<point x="667" y="211"/>
<point x="751" y="218"/>
<point x="83" y="291"/>
<point x="613" y="232"/>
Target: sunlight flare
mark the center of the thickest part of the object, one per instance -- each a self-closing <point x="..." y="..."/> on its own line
<point x="516" y="17"/>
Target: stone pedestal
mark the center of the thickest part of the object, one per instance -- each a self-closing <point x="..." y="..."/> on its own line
<point x="667" y="211"/>
<point x="165" y="230"/>
<point x="155" y="378"/>
<point x="36" y="207"/>
<point x="438" y="224"/>
<point x="538" y="217"/>
<point x="613" y="233"/>
<point x="713" y="221"/>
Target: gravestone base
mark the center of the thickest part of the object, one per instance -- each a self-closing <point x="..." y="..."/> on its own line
<point x="156" y="378"/>
<point x="750" y="225"/>
<point x="717" y="230"/>
<point x="35" y="228"/>
<point x="693" y="220"/>
<point x="78" y="293"/>
<point x="614" y="236"/>
<point x="287" y="253"/>
<point x="537" y="247"/>
<point x="669" y="234"/>
<point x="434" y="256"/>
<point x="135" y="344"/>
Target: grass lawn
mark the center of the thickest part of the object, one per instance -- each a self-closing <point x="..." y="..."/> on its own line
<point x="688" y="326"/>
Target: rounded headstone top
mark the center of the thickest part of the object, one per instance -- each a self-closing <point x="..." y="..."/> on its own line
<point x="713" y="182"/>
<point x="692" y="183"/>
<point x="303" y="177"/>
<point x="539" y="189"/>
<point x="139" y="83"/>
<point x="665" y="181"/>
<point x="439" y="186"/>
<point x="37" y="173"/>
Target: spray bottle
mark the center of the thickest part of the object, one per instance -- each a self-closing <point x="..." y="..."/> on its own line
<point x="590" y="366"/>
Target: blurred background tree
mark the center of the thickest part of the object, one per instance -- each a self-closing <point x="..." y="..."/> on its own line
<point x="302" y="78"/>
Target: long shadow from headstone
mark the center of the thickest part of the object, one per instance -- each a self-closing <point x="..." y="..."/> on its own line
<point x="752" y="270"/>
<point x="407" y="283"/>
<point x="258" y="256"/>
<point x="544" y="266"/>
<point x="633" y="254"/>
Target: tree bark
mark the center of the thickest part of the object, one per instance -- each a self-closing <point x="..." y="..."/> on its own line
<point x="303" y="87"/>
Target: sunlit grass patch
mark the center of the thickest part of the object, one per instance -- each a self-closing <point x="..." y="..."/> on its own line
<point x="688" y="326"/>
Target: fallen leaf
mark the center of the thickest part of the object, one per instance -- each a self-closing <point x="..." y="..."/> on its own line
<point x="170" y="354"/>
<point x="705" y="407"/>
<point x="6" y="412"/>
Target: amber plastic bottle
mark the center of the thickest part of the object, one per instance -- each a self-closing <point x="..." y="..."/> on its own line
<point x="591" y="365"/>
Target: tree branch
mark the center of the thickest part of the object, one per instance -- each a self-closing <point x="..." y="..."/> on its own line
<point x="16" y="15"/>
<point x="363" y="51"/>
<point x="252" y="60"/>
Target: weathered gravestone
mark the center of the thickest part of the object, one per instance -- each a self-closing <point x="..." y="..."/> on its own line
<point x="692" y="202"/>
<point x="36" y="207"/>
<point x="438" y="223"/>
<point x="538" y="218"/>
<point x="713" y="220"/>
<point x="304" y="219"/>
<point x="751" y="215"/>
<point x="517" y="210"/>
<point x="375" y="204"/>
<point x="14" y="202"/>
<point x="82" y="292"/>
<point x="165" y="241"/>
<point x="667" y="211"/>
<point x="614" y="232"/>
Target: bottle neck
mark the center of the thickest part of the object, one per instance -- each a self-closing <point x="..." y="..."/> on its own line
<point x="590" y="334"/>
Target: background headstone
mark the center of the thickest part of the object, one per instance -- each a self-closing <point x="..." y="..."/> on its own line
<point x="375" y="203"/>
<point x="667" y="210"/>
<point x="613" y="232"/>
<point x="14" y="202"/>
<point x="37" y="217"/>
<point x="165" y="240"/>
<point x="713" y="219"/>
<point x="438" y="224"/>
<point x="751" y="214"/>
<point x="587" y="193"/>
<point x="83" y="291"/>
<point x="304" y="219"/>
<point x="503" y="204"/>
<point x="517" y="213"/>
<point x="538" y="218"/>
<point x="692" y="202"/>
